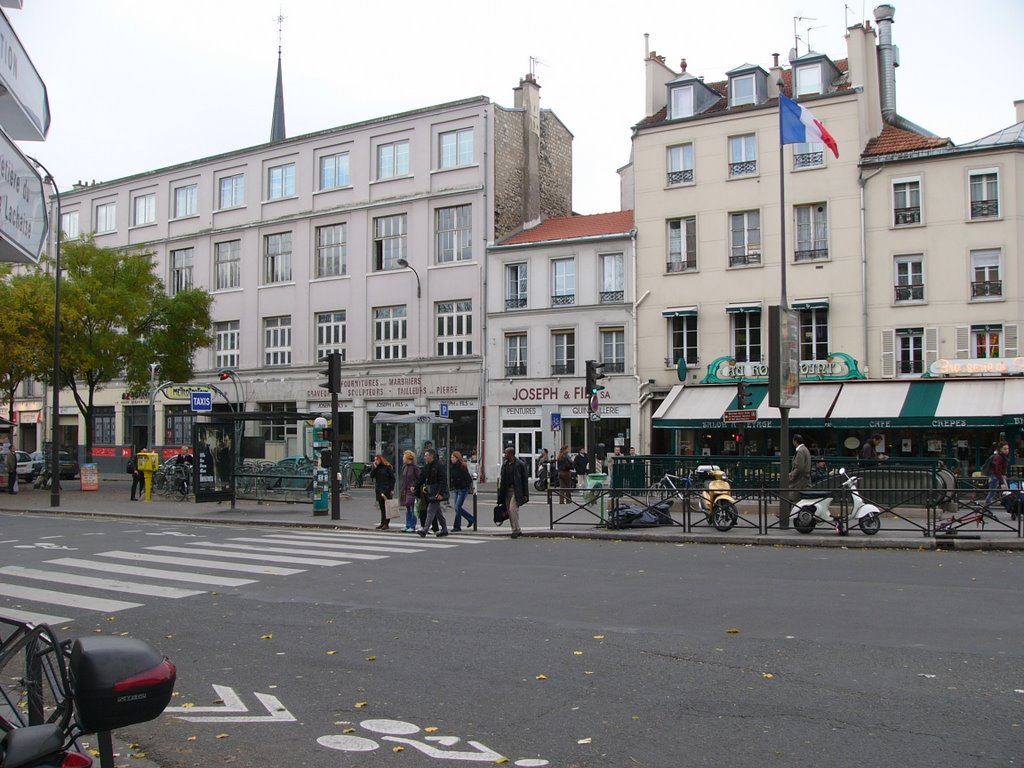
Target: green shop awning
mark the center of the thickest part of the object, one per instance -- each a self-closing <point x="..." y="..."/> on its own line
<point x="938" y="404"/>
<point x="699" y="407"/>
<point x="816" y="401"/>
<point x="679" y="312"/>
<point x="733" y="309"/>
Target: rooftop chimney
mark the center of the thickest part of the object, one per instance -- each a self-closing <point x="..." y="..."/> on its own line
<point x="887" y="60"/>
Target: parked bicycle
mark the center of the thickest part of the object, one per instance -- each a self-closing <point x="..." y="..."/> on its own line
<point x="707" y="491"/>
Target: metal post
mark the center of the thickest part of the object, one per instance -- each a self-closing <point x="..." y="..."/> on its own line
<point x="784" y="304"/>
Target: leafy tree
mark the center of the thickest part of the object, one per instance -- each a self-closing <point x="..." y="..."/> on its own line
<point x="116" y="319"/>
<point x="25" y="299"/>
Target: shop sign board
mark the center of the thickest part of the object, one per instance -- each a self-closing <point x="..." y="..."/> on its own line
<point x="731" y="417"/>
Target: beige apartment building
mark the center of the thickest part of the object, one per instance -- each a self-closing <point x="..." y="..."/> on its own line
<point x="901" y="257"/>
<point x="367" y="239"/>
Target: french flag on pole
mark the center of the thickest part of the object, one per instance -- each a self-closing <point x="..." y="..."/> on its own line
<point x="798" y="126"/>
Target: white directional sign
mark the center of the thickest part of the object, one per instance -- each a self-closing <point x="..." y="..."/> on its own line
<point x="24" y="107"/>
<point x="23" y="224"/>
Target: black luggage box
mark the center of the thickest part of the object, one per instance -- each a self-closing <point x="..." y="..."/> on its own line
<point x="118" y="681"/>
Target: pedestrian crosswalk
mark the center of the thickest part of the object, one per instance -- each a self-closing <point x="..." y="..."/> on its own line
<point x="94" y="583"/>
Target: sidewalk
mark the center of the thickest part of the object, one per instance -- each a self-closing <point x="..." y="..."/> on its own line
<point x="359" y="512"/>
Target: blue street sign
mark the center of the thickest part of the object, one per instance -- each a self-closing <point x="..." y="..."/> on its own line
<point x="443" y="410"/>
<point x="556" y="422"/>
<point x="202" y="401"/>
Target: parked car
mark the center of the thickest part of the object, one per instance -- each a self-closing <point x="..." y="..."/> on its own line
<point x="68" y="466"/>
<point x="25" y="471"/>
<point x="38" y="463"/>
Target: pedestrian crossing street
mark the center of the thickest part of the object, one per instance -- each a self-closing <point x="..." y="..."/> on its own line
<point x="37" y="594"/>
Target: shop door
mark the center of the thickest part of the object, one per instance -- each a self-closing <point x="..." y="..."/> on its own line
<point x="527" y="443"/>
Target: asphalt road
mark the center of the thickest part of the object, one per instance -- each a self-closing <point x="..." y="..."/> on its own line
<point x="552" y="652"/>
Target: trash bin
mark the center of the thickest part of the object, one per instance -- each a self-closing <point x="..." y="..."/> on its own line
<point x="594" y="481"/>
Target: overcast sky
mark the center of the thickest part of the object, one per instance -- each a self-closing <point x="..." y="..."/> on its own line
<point x="136" y="85"/>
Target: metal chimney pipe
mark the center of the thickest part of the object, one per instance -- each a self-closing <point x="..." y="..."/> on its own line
<point x="887" y="60"/>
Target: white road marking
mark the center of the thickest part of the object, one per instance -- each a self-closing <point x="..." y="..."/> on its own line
<point x="233" y="704"/>
<point x="155" y="573"/>
<point x="114" y="585"/>
<point x="65" y="598"/>
<point x="30" y="617"/>
<point x="286" y="550"/>
<point x="394" y="538"/>
<point x="330" y="544"/>
<point x="246" y="556"/>
<point x="269" y="570"/>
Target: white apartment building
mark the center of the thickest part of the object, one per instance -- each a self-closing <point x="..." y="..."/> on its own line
<point x="901" y="258"/>
<point x="559" y="294"/>
<point x="367" y="239"/>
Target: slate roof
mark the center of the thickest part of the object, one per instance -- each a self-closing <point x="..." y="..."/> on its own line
<point x="1012" y="135"/>
<point x="893" y="140"/>
<point x="722" y="105"/>
<point x="574" y="227"/>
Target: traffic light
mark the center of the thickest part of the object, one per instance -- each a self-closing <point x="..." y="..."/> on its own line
<point x="224" y="375"/>
<point x="594" y="375"/>
<point x="742" y="395"/>
<point x="333" y="373"/>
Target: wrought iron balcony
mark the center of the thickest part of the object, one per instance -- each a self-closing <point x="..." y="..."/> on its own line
<point x="809" y="160"/>
<point x="744" y="259"/>
<point x="611" y="297"/>
<point x="745" y="168"/>
<point x="984" y="209"/>
<point x="515" y="369"/>
<point x="910" y="366"/>
<point x="680" y="177"/>
<point x="618" y="366"/>
<point x="563" y="300"/>
<point x="910" y="292"/>
<point x="563" y="369"/>
<point x="810" y="254"/>
<point x="986" y="288"/>
<point x="681" y="266"/>
<point x="907" y="215"/>
<point x="515" y="302"/>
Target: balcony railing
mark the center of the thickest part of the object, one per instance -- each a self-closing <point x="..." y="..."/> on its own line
<point x="810" y="254"/>
<point x="744" y="259"/>
<point x="515" y="369"/>
<point x="611" y="297"/>
<point x="681" y="266"/>
<point x="809" y="160"/>
<point x="563" y="300"/>
<point x="910" y="366"/>
<point x="515" y="302"/>
<point x="986" y="288"/>
<point x="563" y="369"/>
<point x="680" y="177"/>
<point x="984" y="209"/>
<point x="618" y="366"/>
<point x="907" y="215"/>
<point x="910" y="292"/>
<point x="745" y="168"/>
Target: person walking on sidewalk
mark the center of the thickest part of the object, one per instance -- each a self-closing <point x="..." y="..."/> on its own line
<point x="462" y="484"/>
<point x="383" y="475"/>
<point x="998" y="468"/>
<point x="434" y="488"/>
<point x="11" y="462"/>
<point x="564" y="466"/>
<point x="512" y="489"/>
<point x="408" y="481"/>
<point x="138" y="480"/>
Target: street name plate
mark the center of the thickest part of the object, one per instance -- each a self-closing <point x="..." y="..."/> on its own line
<point x="733" y="416"/>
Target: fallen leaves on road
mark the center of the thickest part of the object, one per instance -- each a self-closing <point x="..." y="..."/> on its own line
<point x="542" y="677"/>
<point x="587" y="740"/>
<point x="767" y="675"/>
<point x="732" y="631"/>
<point x="398" y="749"/>
<point x="331" y="653"/>
<point x="360" y="704"/>
<point x="430" y="729"/>
<point x="371" y="658"/>
<point x="268" y="636"/>
<point x="221" y="736"/>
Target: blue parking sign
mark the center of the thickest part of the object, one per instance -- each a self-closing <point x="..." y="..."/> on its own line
<point x="443" y="410"/>
<point x="556" y="422"/>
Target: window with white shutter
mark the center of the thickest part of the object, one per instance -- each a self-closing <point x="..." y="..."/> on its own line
<point x="888" y="353"/>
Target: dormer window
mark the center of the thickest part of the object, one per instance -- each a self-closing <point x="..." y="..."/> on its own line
<point x="682" y="102"/>
<point x="741" y="90"/>
<point x="807" y="80"/>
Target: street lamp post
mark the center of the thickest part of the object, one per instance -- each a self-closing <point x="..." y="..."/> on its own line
<point x="55" y="235"/>
<point x="407" y="265"/>
<point x="151" y="419"/>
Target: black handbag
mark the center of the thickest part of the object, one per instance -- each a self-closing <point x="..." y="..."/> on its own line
<point x="500" y="514"/>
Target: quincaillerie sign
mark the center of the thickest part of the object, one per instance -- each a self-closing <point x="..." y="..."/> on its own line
<point x="838" y="366"/>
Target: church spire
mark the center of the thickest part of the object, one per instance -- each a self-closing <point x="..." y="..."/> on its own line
<point x="277" y="131"/>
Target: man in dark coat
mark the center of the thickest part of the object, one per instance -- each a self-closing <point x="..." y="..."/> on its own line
<point x="581" y="463"/>
<point x="512" y="489"/>
<point x="434" y="487"/>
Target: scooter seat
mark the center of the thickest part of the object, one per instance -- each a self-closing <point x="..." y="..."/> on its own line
<point x="820" y="494"/>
